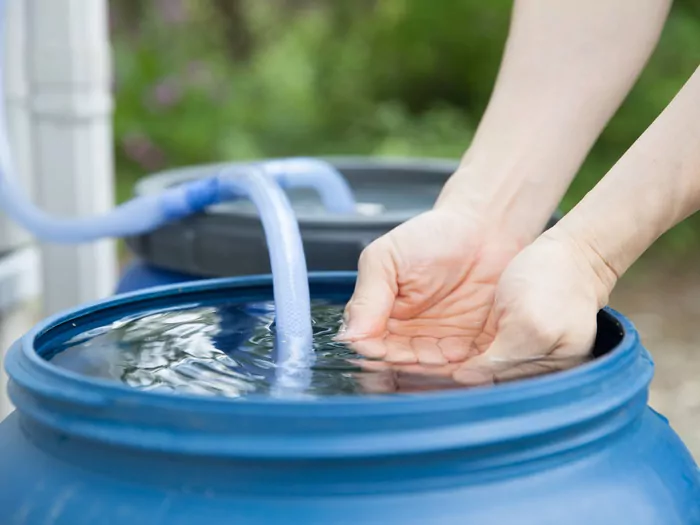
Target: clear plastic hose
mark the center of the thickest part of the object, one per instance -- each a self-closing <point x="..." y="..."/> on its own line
<point x="289" y="275"/>
<point x="336" y="194"/>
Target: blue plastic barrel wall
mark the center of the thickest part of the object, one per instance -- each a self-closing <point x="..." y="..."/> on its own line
<point x="137" y="275"/>
<point x="578" y="447"/>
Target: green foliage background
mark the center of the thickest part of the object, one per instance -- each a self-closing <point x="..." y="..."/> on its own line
<point x="208" y="80"/>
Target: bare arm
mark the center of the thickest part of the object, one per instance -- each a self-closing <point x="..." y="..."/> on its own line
<point x="544" y="315"/>
<point x="654" y="186"/>
<point x="566" y="69"/>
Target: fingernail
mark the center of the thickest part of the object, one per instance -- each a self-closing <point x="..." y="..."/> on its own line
<point x="346" y="333"/>
<point x="341" y="334"/>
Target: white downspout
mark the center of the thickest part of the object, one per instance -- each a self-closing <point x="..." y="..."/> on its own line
<point x="19" y="261"/>
<point x="70" y="78"/>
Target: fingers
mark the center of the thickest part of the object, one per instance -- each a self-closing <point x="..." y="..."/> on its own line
<point x="456" y="349"/>
<point x="369" y="308"/>
<point x="393" y="349"/>
<point x="526" y="346"/>
<point x="404" y="350"/>
<point x="428" y="351"/>
<point x="487" y="367"/>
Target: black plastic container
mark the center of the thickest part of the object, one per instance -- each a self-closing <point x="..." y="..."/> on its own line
<point x="228" y="240"/>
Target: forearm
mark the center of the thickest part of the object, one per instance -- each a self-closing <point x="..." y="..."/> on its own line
<point x="566" y="69"/>
<point x="655" y="185"/>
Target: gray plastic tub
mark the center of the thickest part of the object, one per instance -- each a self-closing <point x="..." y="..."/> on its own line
<point x="228" y="239"/>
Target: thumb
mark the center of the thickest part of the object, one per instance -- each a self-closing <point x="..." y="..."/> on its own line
<point x="369" y="308"/>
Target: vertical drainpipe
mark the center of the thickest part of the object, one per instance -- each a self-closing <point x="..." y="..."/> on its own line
<point x="19" y="270"/>
<point x="18" y="118"/>
<point x="70" y="81"/>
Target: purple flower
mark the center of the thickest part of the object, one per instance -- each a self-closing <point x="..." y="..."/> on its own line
<point x="140" y="149"/>
<point x="164" y="94"/>
<point x="172" y="11"/>
<point x="199" y="74"/>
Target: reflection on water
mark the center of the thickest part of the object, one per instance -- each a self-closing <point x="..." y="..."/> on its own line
<point x="229" y="350"/>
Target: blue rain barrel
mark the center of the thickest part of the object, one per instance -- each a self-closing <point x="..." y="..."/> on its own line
<point x="228" y="239"/>
<point x="578" y="447"/>
<point x="137" y="275"/>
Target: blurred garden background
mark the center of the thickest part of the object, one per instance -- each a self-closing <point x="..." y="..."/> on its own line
<point x="210" y="80"/>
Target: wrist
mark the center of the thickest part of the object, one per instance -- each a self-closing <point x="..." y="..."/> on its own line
<point x="523" y="157"/>
<point x="595" y="266"/>
<point x="508" y="204"/>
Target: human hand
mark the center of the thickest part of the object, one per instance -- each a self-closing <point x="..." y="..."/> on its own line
<point x="542" y="318"/>
<point x="427" y="287"/>
<point x="544" y="313"/>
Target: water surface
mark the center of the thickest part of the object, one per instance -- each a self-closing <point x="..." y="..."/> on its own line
<point x="229" y="350"/>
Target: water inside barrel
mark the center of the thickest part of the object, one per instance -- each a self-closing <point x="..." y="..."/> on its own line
<point x="229" y="350"/>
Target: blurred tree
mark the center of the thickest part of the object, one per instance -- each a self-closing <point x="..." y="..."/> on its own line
<point x="126" y="15"/>
<point x="235" y="28"/>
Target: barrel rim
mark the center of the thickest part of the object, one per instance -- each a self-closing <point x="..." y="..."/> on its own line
<point x="605" y="392"/>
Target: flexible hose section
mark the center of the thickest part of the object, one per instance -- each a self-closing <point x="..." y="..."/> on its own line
<point x="261" y="182"/>
<point x="289" y="275"/>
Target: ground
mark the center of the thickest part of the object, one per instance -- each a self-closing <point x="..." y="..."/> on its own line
<point x="664" y="304"/>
